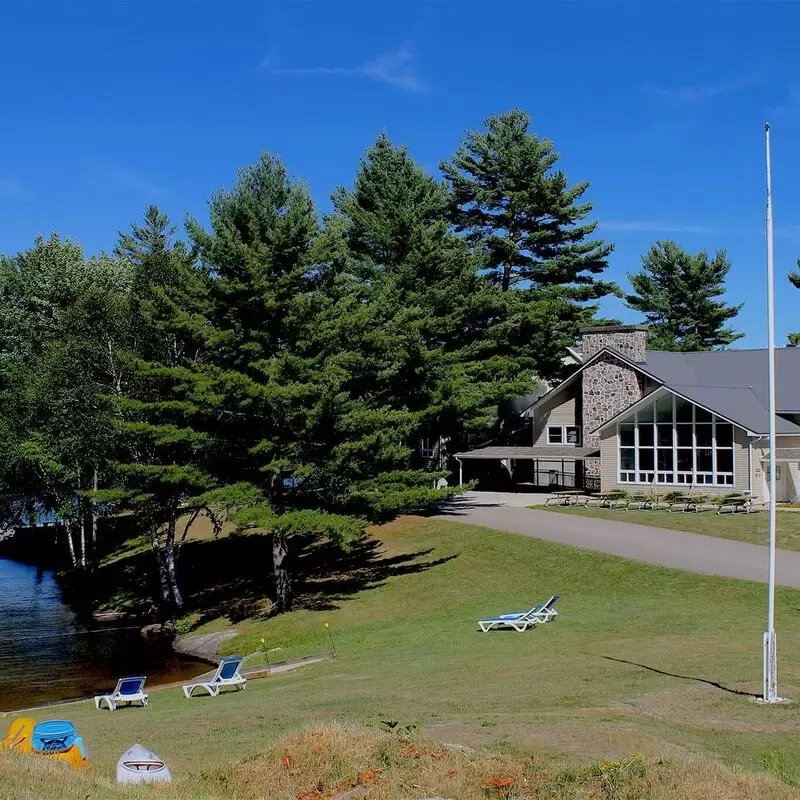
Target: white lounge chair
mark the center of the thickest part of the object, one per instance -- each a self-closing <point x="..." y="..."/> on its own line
<point x="128" y="691"/>
<point x="226" y="677"/>
<point x="522" y="620"/>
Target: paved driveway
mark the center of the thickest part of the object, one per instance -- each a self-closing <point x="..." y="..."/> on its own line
<point x="704" y="554"/>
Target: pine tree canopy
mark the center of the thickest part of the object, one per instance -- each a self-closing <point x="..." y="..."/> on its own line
<point x="677" y="293"/>
<point x="396" y="233"/>
<point x="794" y="277"/>
<point x="520" y="212"/>
<point x="295" y="376"/>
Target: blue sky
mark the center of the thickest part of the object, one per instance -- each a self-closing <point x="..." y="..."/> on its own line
<point x="108" y="105"/>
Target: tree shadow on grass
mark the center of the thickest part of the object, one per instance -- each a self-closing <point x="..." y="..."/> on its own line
<point x="232" y="576"/>
<point x="715" y="684"/>
<point x="325" y="574"/>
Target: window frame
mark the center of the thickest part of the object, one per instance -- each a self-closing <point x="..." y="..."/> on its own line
<point x="565" y="432"/>
<point x="551" y="429"/>
<point x="659" y="445"/>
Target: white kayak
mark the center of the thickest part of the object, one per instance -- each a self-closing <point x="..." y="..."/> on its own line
<point x="140" y="765"/>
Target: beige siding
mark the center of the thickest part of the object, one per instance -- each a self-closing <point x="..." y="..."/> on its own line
<point x="560" y="410"/>
<point x="741" y="460"/>
<point x="791" y="483"/>
<point x="608" y="460"/>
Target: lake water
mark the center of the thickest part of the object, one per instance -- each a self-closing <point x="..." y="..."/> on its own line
<point x="46" y="655"/>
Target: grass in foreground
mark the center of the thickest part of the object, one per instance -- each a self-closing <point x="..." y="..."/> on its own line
<point x="642" y="659"/>
<point x="325" y="763"/>
<point x="752" y="528"/>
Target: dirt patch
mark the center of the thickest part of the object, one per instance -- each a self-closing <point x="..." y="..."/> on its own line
<point x="696" y="706"/>
<point x="571" y="741"/>
<point x="204" y="645"/>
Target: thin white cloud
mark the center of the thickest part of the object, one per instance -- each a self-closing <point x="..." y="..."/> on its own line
<point x="12" y="190"/>
<point x="397" y="69"/>
<point x="690" y="94"/>
<point x="126" y="179"/>
<point x="271" y="59"/>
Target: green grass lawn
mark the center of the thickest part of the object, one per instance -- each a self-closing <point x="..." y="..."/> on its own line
<point x="751" y="528"/>
<point x="641" y="659"/>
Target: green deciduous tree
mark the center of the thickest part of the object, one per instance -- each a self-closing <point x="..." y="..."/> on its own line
<point x="678" y="294"/>
<point x="61" y="321"/>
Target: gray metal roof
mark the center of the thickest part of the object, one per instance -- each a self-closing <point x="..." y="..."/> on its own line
<point x="547" y="452"/>
<point x="733" y="383"/>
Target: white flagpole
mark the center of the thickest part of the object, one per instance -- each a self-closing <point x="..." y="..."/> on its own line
<point x="770" y="694"/>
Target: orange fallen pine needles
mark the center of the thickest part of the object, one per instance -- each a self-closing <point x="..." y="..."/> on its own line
<point x="385" y="766"/>
<point x="501" y="782"/>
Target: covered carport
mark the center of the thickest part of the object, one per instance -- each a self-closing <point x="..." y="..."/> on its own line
<point x="546" y="467"/>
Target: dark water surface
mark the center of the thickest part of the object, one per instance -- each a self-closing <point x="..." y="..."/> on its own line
<point x="47" y="655"/>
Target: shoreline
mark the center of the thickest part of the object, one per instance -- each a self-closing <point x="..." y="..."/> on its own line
<point x="251" y="673"/>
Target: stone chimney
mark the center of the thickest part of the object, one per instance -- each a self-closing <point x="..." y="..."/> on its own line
<point x="608" y="386"/>
<point x="628" y="340"/>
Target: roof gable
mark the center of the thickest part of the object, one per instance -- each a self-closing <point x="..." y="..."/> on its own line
<point x="607" y="351"/>
<point x="733" y="384"/>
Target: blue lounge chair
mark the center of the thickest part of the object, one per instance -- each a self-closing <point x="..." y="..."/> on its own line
<point x="522" y="620"/>
<point x="128" y="691"/>
<point x="226" y="677"/>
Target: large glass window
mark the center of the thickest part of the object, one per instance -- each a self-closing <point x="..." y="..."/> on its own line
<point x="672" y="441"/>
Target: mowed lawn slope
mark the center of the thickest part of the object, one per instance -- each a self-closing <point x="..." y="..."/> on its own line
<point x="641" y="659"/>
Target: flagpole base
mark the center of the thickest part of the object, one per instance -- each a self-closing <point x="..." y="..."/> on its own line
<point x="773" y="702"/>
<point x="770" y="686"/>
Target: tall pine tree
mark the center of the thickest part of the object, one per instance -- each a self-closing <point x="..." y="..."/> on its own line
<point x="521" y="216"/>
<point x="794" y="279"/>
<point x="397" y="235"/>
<point x="302" y="357"/>
<point x="169" y="434"/>
<point x="677" y="293"/>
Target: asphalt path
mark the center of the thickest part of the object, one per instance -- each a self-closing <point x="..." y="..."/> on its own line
<point x="707" y="555"/>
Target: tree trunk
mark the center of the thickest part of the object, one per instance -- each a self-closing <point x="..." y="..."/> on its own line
<point x="92" y="511"/>
<point x="71" y="545"/>
<point x="283" y="585"/>
<point x="169" y="558"/>
<point x="506" y="285"/>
<point x="80" y="513"/>
<point x="82" y="534"/>
<point x="163" y="573"/>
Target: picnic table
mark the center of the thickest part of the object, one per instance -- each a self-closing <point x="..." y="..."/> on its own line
<point x="565" y="498"/>
<point x="606" y="499"/>
<point x="738" y="502"/>
<point x="643" y="501"/>
<point x="687" y="502"/>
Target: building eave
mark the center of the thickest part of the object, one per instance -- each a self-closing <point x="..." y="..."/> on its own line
<point x="660" y="392"/>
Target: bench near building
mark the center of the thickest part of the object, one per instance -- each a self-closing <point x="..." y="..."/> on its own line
<point x="631" y="418"/>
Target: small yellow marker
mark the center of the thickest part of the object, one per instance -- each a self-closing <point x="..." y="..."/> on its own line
<point x="330" y="636"/>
